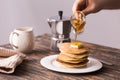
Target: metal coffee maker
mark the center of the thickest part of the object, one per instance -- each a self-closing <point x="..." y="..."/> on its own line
<point x="60" y="28"/>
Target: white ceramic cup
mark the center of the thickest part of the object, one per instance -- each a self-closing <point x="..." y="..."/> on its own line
<point x="22" y="39"/>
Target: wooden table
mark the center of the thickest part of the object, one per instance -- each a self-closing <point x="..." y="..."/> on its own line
<point x="31" y="68"/>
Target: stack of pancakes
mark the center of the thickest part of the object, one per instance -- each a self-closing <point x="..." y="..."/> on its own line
<point x="72" y="57"/>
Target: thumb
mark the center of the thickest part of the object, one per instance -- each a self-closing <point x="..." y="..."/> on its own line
<point x="89" y="8"/>
<point x="87" y="11"/>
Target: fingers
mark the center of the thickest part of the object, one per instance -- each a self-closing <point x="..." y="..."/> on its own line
<point x="82" y="5"/>
<point x="78" y="5"/>
<point x="87" y="11"/>
<point x="75" y="6"/>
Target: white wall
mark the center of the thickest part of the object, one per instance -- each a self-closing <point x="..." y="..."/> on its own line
<point x="101" y="28"/>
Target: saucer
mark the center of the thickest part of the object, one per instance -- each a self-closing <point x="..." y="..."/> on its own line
<point x="50" y="63"/>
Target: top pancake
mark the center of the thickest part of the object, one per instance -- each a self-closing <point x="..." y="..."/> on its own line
<point x="66" y="47"/>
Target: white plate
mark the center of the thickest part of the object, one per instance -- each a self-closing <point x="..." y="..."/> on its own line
<point x="50" y="62"/>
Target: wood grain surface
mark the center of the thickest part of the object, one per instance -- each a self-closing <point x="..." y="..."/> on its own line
<point x="31" y="69"/>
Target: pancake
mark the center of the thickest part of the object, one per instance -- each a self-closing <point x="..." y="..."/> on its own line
<point x="66" y="47"/>
<point x="75" y="56"/>
<point x="70" y="59"/>
<point x="78" y="56"/>
<point x="72" y="65"/>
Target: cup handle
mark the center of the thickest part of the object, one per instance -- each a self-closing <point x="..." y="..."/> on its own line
<point x="11" y="39"/>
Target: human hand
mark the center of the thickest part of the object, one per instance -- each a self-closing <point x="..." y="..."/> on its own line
<point x="88" y="6"/>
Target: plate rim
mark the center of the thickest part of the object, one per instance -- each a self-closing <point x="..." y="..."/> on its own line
<point x="57" y="69"/>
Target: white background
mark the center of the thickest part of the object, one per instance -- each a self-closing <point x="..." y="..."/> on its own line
<point x="102" y="28"/>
